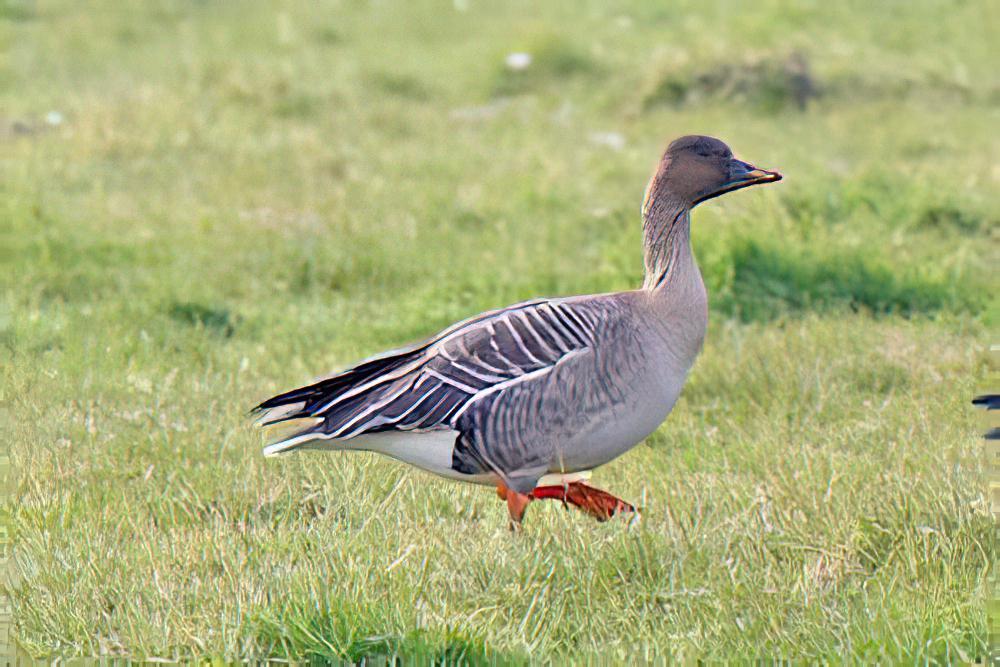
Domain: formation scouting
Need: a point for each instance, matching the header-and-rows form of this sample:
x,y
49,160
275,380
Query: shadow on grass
x,y
768,282
776,81
899,203
771,83
219,320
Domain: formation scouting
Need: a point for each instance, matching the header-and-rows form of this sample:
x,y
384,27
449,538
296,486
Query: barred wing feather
x,y
431,385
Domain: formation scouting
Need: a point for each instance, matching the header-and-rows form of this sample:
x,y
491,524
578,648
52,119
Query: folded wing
x,y
431,385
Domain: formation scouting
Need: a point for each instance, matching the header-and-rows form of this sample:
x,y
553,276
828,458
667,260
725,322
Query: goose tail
x,y
304,415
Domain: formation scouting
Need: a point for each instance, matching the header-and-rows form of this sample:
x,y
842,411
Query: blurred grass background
x,y
204,203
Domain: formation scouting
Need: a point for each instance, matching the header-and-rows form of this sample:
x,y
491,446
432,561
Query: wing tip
x,y
291,435
264,415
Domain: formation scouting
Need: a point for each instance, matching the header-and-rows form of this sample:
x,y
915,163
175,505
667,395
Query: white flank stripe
x,y
415,405
559,331
450,381
579,318
485,377
357,430
520,343
513,368
571,325
419,423
381,379
534,334
483,393
373,408
487,366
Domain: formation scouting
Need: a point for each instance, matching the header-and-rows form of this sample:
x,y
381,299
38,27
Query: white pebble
x,y
518,61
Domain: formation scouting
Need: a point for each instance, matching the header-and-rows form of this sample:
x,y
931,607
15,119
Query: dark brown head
x,y
696,168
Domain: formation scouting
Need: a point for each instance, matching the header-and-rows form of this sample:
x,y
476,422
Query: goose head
x,y
697,168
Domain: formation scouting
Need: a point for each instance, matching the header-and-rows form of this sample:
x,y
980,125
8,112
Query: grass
x,y
232,200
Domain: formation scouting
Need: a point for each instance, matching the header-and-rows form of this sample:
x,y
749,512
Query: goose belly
x,y
428,450
432,451
622,426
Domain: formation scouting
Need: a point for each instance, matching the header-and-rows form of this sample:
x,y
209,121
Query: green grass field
x,y
205,203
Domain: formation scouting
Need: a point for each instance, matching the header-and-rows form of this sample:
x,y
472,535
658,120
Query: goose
x,y
531,398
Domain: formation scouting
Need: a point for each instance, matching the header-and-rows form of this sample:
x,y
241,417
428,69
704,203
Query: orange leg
x,y
597,503
517,503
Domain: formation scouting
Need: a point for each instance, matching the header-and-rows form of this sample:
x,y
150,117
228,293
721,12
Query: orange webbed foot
x,y
597,503
593,501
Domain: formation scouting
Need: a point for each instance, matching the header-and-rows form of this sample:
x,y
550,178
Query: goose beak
x,y
741,175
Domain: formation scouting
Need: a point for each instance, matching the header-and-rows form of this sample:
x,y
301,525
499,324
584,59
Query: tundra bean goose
x,y
532,397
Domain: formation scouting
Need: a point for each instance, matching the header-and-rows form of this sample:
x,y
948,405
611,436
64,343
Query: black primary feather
x,y
988,401
319,393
